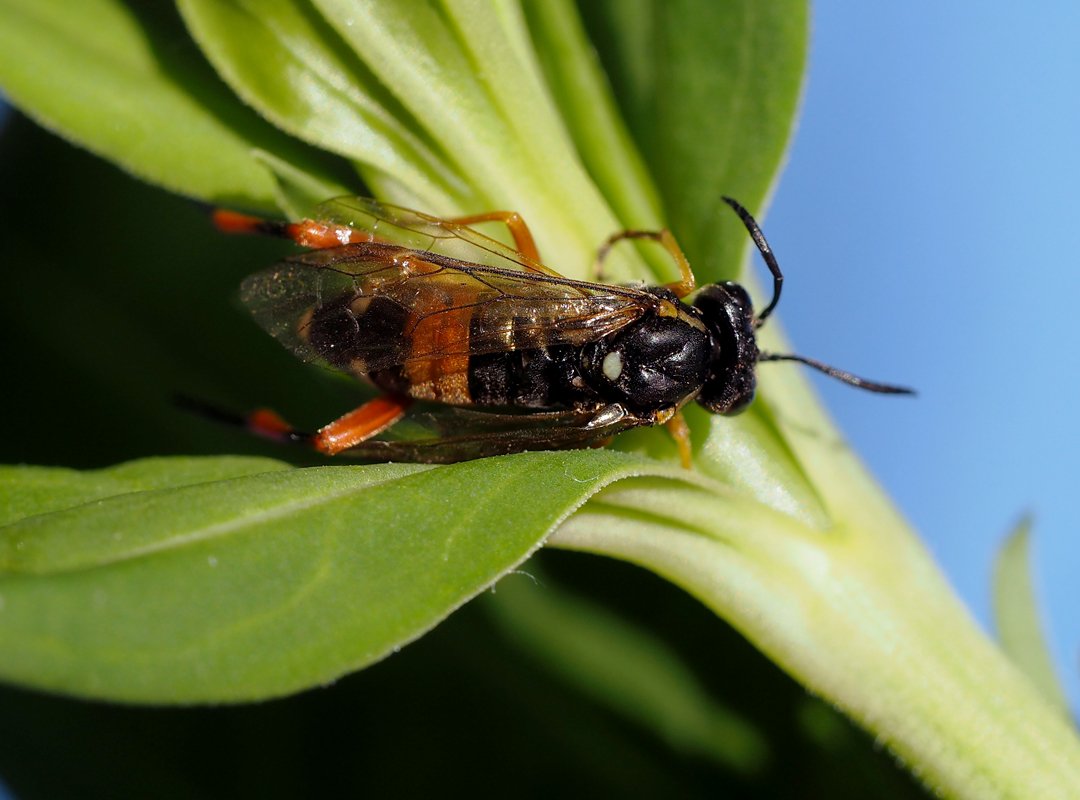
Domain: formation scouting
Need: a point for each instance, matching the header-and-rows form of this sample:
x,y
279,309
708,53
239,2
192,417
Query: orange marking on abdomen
x,y
443,373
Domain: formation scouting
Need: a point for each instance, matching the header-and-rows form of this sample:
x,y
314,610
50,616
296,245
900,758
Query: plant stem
x,y
863,618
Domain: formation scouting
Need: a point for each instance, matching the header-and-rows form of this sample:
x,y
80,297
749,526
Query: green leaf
x,y
286,61
32,491
709,91
1016,615
265,582
581,90
296,192
96,530
465,72
122,81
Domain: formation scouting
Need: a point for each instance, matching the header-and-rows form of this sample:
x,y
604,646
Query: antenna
x,y
778,282
839,374
766,253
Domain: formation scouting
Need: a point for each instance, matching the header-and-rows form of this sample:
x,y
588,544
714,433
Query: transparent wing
x,y
458,434
321,305
418,231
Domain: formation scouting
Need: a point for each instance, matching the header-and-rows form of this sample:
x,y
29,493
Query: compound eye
x,y
728,393
727,312
724,300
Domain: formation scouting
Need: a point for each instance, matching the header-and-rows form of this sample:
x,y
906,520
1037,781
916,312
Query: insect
x,y
510,355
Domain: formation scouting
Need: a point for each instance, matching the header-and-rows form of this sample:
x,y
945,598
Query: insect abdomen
x,y
545,377
432,359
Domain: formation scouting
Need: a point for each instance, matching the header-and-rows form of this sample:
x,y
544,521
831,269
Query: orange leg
x,y
268,423
523,238
358,425
320,235
307,233
682,287
680,432
373,417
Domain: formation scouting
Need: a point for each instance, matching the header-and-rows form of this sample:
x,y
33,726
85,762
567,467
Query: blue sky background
x,y
927,223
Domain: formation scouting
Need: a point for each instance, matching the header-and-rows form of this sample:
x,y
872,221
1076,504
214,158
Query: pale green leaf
x,y
1016,615
287,62
124,81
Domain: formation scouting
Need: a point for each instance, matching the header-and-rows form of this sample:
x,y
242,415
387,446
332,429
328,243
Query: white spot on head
x,y
612,365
